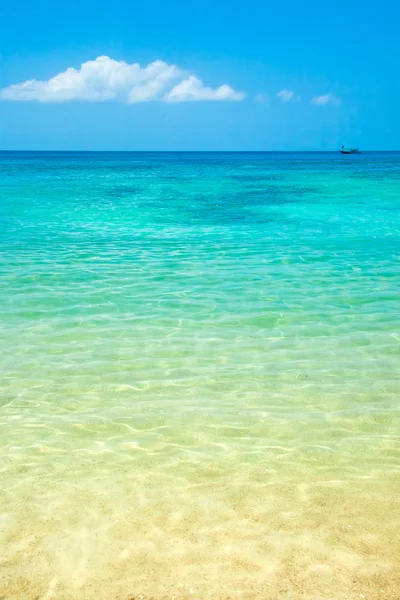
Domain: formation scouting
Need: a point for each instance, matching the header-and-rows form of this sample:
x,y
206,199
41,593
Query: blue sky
x,y
213,75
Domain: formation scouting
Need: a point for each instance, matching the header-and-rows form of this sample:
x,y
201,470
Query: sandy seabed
x,y
204,531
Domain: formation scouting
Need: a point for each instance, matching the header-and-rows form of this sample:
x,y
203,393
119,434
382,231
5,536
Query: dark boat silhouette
x,y
344,150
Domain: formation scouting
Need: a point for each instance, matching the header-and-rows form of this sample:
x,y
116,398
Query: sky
x,y
209,75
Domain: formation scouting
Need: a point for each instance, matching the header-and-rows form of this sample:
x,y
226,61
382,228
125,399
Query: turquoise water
x,y
199,363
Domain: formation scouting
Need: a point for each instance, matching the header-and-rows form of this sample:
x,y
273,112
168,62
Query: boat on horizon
x,y
344,150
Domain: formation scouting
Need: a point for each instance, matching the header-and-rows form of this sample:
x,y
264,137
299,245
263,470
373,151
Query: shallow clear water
x,y
199,363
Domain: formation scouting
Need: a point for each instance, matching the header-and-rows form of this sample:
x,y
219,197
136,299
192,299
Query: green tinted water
x,y
199,357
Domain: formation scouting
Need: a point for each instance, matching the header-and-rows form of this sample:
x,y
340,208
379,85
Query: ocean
x,y
200,376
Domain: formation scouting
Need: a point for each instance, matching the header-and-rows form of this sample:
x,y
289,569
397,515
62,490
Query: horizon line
x,y
196,151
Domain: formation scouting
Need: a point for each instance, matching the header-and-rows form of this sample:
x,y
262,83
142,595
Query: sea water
x,y
199,361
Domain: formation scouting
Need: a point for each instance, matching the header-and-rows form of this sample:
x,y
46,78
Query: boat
x,y
344,150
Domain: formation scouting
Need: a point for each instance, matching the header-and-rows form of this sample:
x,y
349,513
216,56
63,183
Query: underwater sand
x,y
199,359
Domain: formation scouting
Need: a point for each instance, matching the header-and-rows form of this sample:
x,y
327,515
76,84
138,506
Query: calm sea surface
x,y
200,376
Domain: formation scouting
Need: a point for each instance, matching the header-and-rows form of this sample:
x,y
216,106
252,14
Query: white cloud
x,y
193,89
285,95
326,99
105,79
160,78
